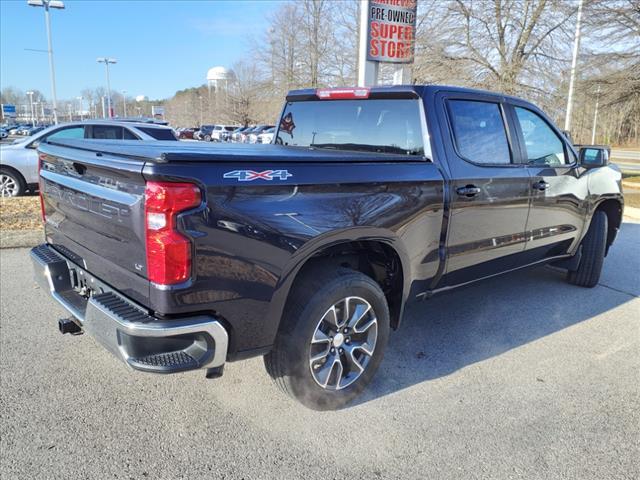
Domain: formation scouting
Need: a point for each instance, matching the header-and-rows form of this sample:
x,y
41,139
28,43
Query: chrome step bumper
x,y
126,329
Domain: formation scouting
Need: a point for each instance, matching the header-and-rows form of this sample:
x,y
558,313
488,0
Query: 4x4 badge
x,y
250,175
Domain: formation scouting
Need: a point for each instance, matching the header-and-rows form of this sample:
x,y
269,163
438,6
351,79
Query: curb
x,y
20,238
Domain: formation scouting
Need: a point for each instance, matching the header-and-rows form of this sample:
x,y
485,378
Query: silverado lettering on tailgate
x,y
87,203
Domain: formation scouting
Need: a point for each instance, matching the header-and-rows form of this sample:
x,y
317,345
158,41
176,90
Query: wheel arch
x,y
613,208
377,253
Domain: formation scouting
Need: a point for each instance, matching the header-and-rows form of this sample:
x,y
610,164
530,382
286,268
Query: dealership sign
x,y
8,111
391,30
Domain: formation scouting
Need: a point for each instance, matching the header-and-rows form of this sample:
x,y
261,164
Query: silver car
x,y
19,160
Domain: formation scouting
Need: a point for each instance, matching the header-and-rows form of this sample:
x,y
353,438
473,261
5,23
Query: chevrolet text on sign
x,y
392,26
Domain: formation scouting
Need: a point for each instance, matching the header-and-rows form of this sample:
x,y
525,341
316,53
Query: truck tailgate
x,y
94,212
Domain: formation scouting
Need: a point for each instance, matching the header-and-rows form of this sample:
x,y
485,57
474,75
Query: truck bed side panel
x,y
247,239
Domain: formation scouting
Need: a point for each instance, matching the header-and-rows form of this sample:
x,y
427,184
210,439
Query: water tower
x,y
219,79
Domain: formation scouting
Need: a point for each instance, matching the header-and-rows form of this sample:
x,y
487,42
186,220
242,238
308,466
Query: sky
x,y
160,46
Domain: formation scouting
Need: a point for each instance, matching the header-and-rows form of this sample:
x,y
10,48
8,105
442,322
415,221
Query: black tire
x,y
11,183
289,361
594,245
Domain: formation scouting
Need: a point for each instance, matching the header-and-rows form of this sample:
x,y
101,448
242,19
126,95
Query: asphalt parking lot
x,y
523,376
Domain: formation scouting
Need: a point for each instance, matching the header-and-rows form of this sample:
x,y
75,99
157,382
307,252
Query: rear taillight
x,y
41,158
168,251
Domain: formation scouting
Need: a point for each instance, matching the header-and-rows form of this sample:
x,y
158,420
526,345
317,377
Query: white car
x,y
19,160
266,136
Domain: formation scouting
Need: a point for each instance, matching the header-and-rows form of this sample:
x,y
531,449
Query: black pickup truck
x,y
180,256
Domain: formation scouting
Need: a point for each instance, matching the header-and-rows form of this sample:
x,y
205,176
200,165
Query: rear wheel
x,y
207,138
594,245
11,183
332,339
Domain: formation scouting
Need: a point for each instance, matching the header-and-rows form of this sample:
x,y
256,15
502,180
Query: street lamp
x,y
33,119
124,102
47,4
106,62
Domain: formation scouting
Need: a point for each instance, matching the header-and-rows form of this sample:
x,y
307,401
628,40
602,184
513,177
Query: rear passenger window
x,y
107,132
479,131
129,136
543,146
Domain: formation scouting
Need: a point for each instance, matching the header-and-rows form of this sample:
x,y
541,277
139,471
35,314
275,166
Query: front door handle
x,y
468,191
541,185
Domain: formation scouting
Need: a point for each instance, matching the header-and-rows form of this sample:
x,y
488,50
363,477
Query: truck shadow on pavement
x,y
457,329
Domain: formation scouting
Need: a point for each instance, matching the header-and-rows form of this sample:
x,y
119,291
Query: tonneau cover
x,y
170,151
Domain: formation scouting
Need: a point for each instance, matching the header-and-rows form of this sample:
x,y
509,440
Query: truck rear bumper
x,y
126,329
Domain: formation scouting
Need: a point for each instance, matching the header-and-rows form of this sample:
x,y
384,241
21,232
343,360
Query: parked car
x,y
307,250
17,127
236,135
32,131
252,137
244,136
266,136
23,130
187,132
218,132
19,160
225,135
205,133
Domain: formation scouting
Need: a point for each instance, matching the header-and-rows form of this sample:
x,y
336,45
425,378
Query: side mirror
x,y
594,156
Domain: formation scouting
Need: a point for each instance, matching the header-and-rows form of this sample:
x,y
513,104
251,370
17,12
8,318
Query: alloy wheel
x,y
8,186
343,343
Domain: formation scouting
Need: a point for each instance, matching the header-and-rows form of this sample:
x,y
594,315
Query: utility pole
x,y
107,61
574,61
33,117
595,118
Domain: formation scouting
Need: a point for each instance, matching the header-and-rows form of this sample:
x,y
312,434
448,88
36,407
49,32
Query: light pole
x,y
47,4
107,61
33,118
124,102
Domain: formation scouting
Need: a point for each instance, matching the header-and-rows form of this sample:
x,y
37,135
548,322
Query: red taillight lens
x,y
41,158
342,93
168,251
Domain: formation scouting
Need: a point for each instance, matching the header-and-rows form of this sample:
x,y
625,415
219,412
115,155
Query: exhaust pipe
x,y
67,325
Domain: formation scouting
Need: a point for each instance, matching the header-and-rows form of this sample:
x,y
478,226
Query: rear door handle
x,y
468,191
541,185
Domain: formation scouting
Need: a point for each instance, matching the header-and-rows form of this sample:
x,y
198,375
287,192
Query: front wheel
x,y
594,246
332,339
